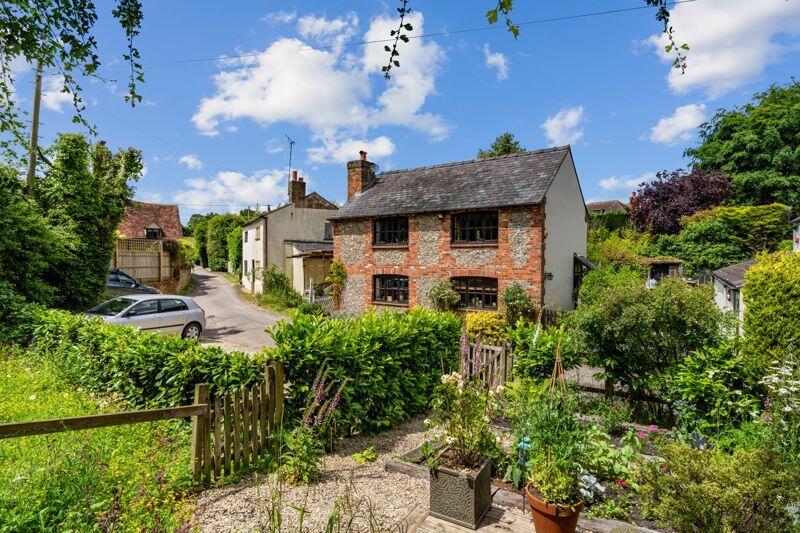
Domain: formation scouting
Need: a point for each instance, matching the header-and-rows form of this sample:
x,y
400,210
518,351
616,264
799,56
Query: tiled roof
x,y
517,179
140,215
733,275
608,206
312,246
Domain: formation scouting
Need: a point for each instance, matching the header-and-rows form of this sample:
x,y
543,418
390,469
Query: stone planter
x,y
461,497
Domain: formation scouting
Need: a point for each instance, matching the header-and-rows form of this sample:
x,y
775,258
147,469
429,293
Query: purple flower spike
x,y
477,356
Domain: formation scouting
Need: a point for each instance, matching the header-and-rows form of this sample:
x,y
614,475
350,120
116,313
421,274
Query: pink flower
x,y
623,484
641,434
652,427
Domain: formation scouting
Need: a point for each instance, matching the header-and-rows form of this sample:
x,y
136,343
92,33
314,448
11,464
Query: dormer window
x,y
153,232
392,231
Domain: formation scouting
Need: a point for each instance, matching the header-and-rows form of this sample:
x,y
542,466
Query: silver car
x,y
154,312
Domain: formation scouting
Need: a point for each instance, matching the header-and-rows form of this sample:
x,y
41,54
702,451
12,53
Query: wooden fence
x,y
228,432
496,364
236,430
146,260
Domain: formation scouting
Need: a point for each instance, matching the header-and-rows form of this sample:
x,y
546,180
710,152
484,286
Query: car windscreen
x,y
111,307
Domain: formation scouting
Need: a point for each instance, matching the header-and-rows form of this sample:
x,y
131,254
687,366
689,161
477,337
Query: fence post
x,y
278,392
199,430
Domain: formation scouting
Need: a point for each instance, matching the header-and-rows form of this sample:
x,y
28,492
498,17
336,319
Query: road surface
x,y
231,322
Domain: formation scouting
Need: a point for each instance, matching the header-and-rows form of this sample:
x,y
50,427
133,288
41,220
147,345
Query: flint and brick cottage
x,y
482,224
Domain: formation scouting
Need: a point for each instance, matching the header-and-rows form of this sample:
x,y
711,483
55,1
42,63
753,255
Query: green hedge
x,y
772,313
392,361
146,369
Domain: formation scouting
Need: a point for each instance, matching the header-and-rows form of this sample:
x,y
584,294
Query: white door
x,y
144,316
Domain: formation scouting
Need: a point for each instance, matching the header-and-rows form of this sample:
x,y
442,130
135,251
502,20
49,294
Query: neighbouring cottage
x,y
295,237
609,206
151,221
481,224
728,283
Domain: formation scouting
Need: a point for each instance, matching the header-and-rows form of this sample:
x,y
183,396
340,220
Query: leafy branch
x,y
504,7
398,35
662,15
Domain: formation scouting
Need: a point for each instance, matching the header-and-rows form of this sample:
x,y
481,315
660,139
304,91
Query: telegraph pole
x,y
34,144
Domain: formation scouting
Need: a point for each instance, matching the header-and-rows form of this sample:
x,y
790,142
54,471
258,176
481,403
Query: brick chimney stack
x,y
359,174
297,188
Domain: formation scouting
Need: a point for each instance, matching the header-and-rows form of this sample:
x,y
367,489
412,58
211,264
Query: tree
x,y
219,226
704,246
658,206
86,191
58,35
235,248
200,232
758,146
504,144
638,335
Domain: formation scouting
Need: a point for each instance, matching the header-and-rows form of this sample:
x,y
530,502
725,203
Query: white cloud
x,y
145,170
328,31
274,146
730,41
496,61
279,17
565,126
342,150
191,161
680,126
234,189
52,97
329,94
625,182
151,197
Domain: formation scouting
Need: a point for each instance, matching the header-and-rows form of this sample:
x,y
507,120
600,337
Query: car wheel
x,y
191,331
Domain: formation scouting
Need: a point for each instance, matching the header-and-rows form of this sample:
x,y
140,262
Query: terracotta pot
x,y
553,518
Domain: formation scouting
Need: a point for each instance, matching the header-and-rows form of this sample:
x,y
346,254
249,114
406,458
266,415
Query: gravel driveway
x,y
243,506
231,322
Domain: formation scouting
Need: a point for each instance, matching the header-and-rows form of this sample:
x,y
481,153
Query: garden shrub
x,y
442,296
278,290
772,314
146,369
710,490
392,361
612,221
713,389
235,248
756,228
518,304
638,335
187,252
490,326
534,349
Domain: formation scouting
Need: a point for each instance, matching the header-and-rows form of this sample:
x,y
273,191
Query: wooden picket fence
x,y
497,363
235,430
228,433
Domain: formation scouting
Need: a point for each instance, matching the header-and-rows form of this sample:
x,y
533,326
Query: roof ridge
x,y
479,160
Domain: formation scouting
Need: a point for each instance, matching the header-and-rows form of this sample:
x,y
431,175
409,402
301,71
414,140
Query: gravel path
x,y
245,505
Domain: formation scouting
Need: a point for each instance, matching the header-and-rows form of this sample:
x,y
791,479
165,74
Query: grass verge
x,y
126,478
276,301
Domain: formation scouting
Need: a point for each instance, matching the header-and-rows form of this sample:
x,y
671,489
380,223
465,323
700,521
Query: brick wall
x,y
429,256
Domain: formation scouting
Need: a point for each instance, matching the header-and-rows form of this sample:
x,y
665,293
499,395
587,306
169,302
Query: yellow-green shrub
x,y
488,325
772,312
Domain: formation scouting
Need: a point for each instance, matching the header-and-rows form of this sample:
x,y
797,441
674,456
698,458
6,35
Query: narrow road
x,y
231,322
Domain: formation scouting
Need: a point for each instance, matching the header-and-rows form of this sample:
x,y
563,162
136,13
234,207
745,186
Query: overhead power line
x,y
435,34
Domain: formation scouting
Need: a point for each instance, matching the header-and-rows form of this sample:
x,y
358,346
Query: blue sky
x,y
212,132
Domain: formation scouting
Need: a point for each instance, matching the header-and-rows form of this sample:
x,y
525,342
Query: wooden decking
x,y
497,520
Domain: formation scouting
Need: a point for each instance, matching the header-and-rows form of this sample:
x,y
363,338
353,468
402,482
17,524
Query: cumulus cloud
x,y
52,96
496,61
625,182
329,94
191,161
234,189
335,150
565,126
326,31
680,126
731,41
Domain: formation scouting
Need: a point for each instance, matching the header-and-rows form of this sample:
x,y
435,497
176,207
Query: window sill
x,y
390,304
390,246
494,309
473,244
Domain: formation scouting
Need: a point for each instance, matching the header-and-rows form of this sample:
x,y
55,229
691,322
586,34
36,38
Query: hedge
x,y
772,309
145,369
391,360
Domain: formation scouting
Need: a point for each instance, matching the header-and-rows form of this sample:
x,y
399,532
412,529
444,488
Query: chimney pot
x,y
359,175
294,175
363,155
301,179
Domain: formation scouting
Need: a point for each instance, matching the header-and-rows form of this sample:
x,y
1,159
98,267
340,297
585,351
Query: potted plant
x,y
552,444
458,452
